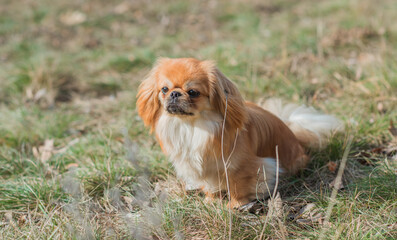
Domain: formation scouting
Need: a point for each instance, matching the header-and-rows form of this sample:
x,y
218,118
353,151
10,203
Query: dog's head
x,y
188,88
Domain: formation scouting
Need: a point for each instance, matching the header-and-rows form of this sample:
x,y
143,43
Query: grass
x,y
69,73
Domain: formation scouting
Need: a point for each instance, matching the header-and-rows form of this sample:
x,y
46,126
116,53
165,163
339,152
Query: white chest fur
x,y
185,143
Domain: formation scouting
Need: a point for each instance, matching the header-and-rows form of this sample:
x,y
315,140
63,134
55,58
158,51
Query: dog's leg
x,y
253,181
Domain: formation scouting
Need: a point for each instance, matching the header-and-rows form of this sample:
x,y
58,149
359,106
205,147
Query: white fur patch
x,y
267,179
185,142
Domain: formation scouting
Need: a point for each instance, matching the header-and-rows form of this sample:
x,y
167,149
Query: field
x,y
76,161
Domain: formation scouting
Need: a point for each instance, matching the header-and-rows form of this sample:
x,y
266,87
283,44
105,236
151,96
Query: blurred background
x,y
294,49
69,72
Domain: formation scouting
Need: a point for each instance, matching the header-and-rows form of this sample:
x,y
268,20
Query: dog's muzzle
x,y
174,108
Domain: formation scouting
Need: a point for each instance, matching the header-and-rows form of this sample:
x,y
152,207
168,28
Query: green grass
x,y
70,71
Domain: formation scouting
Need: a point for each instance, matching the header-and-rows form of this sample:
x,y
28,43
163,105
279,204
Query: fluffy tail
x,y
312,128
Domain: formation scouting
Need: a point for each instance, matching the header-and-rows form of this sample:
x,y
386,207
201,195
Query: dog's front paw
x,y
237,203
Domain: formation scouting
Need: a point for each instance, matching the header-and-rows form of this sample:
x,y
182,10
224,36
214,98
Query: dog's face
x,y
187,88
183,88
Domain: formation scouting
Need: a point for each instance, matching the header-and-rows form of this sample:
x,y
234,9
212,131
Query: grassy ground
x,y
77,163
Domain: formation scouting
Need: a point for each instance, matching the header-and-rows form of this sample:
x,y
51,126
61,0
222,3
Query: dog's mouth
x,y
176,110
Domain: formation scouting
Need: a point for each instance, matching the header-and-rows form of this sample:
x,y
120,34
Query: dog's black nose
x,y
175,94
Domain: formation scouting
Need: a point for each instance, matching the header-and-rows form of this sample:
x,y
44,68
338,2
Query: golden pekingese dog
x,y
219,142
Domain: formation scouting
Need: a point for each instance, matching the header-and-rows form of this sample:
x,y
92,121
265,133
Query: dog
x,y
218,142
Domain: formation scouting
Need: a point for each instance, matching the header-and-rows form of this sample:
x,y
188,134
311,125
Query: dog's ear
x,y
223,91
148,104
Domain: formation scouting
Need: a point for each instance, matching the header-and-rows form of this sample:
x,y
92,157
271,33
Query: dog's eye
x,y
193,93
164,90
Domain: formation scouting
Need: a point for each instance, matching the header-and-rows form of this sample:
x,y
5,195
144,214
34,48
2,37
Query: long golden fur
x,y
184,102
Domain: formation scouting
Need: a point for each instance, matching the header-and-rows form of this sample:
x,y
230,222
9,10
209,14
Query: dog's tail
x,y
312,128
